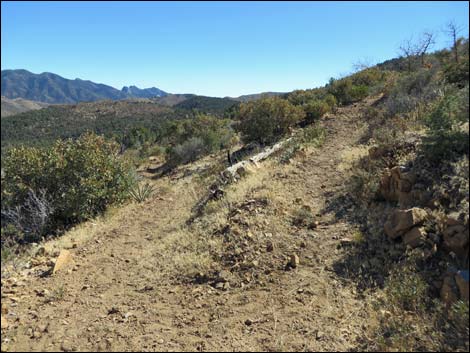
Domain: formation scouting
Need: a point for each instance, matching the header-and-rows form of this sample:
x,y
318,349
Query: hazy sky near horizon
x,y
213,48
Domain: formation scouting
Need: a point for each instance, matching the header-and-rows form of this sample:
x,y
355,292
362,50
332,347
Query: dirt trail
x,y
119,296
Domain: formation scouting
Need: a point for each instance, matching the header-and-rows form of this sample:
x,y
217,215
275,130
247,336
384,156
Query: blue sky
x,y
213,48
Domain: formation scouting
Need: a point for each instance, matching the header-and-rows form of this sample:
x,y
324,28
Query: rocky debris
x,y
414,237
64,259
401,221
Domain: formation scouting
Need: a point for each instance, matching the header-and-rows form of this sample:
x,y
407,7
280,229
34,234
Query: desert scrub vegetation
x,y
195,138
45,190
141,192
266,120
448,127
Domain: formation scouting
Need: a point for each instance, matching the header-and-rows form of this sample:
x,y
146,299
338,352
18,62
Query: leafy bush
x,y
267,119
346,92
186,152
79,178
314,110
457,73
448,136
368,77
191,139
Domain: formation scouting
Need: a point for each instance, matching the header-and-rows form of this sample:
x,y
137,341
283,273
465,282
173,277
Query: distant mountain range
x,y
54,89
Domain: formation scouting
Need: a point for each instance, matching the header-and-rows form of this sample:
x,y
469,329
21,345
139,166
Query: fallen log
x,y
230,175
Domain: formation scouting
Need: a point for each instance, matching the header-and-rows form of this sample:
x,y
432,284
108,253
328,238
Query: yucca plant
x,y
142,192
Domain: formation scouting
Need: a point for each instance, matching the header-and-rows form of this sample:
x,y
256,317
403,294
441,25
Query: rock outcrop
x,y
400,222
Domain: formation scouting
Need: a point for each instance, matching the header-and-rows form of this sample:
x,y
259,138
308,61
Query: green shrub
x,y
406,289
330,100
314,110
457,73
346,92
448,136
79,178
267,119
187,152
358,92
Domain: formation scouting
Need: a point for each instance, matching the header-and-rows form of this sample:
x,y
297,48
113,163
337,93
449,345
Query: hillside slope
x,y
144,280
19,105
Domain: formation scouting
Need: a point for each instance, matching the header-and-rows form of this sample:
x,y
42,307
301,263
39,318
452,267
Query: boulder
x,y
414,237
396,185
401,221
456,239
449,293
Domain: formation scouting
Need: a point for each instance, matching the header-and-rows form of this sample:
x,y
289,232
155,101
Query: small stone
x,y
4,322
43,328
269,246
64,259
294,261
160,341
113,310
66,347
41,251
248,322
319,335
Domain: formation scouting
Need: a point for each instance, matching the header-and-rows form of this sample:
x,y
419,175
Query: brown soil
x,y
130,286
